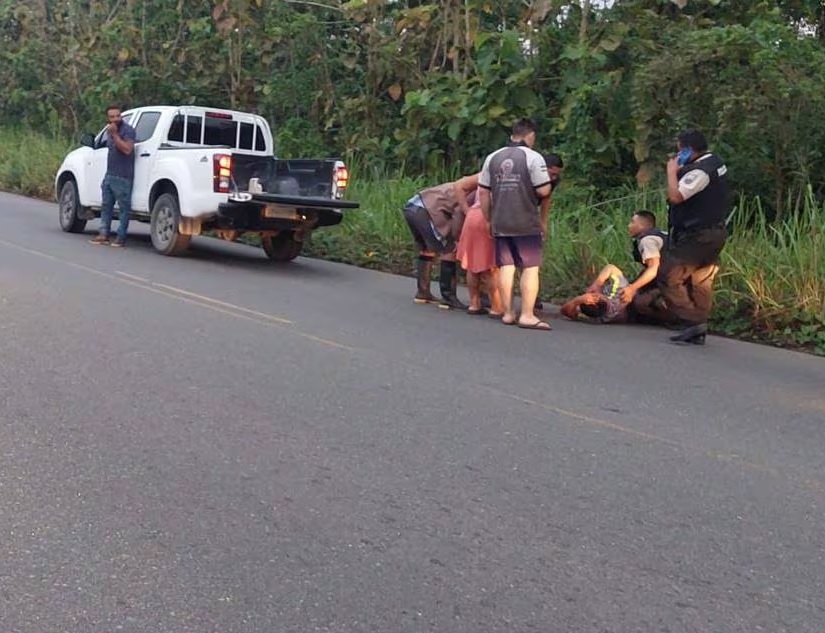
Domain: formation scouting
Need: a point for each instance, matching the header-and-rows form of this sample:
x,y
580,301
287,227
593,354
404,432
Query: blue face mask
x,y
684,156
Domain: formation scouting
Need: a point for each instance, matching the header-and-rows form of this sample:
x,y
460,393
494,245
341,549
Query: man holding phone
x,y
697,190
120,174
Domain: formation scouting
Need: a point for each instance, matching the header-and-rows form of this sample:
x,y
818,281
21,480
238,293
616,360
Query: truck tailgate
x,y
302,202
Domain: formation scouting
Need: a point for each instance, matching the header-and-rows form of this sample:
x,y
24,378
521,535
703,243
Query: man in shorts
x,y
512,185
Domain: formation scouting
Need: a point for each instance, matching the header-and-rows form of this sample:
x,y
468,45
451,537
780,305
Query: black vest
x,y
637,254
709,207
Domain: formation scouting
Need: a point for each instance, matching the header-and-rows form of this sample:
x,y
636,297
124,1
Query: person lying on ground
x,y
611,298
600,302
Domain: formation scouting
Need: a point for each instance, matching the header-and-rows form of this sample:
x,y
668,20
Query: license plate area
x,y
280,213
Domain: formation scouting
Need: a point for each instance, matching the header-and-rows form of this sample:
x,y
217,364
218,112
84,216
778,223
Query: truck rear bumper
x,y
272,212
254,216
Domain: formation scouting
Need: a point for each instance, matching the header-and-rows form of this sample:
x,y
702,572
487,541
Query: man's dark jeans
x,y
115,189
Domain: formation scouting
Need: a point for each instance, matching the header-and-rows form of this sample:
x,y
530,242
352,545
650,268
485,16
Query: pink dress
x,y
476,250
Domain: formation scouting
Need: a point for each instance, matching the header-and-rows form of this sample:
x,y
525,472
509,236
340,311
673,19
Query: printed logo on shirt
x,y
505,172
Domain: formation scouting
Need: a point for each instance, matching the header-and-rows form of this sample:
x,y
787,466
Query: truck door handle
x,y
144,154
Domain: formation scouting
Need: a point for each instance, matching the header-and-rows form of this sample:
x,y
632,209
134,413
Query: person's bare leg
x,y
529,292
496,305
505,284
474,288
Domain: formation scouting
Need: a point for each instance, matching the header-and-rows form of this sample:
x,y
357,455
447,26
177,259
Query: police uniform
x,y
697,236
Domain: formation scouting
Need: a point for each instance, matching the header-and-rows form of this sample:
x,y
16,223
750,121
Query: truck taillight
x,y
221,172
341,178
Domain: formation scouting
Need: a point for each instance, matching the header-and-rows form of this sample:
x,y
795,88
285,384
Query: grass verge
x,y
771,289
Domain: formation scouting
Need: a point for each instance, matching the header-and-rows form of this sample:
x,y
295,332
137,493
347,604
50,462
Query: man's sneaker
x,y
99,240
119,243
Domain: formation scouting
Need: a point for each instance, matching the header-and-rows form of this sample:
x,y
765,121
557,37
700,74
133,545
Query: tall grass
x,y
772,284
29,161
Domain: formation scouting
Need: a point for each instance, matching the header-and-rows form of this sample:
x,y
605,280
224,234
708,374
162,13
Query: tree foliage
x,y
434,85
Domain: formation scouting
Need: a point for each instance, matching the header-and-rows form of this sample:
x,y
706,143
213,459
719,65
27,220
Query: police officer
x,y
697,190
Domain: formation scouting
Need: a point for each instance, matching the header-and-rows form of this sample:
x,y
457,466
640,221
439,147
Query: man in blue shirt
x,y
120,174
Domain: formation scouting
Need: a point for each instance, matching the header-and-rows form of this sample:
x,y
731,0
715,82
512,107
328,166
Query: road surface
x,y
213,444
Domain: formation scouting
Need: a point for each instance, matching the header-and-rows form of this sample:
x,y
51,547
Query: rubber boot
x,y
448,284
423,272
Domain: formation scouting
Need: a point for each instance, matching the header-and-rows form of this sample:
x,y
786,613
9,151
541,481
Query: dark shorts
x,y
426,236
522,251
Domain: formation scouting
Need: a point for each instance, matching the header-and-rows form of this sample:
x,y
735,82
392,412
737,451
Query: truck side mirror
x,y
87,140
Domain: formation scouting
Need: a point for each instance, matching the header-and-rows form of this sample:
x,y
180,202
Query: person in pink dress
x,y
476,254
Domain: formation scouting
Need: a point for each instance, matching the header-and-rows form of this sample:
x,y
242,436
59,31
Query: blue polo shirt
x,y
117,163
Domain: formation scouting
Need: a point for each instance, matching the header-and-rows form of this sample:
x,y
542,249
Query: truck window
x,y
146,125
220,132
247,132
260,144
194,126
176,129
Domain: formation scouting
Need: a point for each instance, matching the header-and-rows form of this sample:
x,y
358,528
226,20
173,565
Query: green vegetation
x,y
771,289
421,90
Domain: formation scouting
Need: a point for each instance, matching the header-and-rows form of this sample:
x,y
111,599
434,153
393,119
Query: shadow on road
x,y
233,255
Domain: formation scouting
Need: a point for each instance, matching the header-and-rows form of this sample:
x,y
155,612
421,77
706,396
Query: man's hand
x,y
112,129
626,294
673,166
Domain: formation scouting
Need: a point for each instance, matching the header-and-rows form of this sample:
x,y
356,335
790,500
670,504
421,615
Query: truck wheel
x,y
164,226
282,247
69,206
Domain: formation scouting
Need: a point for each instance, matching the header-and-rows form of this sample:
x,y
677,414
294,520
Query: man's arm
x,y
545,213
691,183
673,195
464,187
485,200
649,274
125,144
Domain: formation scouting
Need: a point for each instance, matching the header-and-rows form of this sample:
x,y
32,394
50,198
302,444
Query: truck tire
x,y
69,208
282,247
166,238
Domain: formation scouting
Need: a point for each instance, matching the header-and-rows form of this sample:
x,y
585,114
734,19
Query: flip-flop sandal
x,y
479,312
538,325
495,315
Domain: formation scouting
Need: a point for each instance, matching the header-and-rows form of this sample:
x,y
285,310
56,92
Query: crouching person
x,y
435,216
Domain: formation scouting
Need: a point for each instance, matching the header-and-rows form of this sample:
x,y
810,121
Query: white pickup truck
x,y
206,169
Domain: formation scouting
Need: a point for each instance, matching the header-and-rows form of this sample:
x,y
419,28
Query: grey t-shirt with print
x,y
512,174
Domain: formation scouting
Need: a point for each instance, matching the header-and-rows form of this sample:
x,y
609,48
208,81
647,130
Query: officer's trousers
x,y
688,269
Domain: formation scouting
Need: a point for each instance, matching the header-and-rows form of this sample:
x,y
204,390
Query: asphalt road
x,y
216,444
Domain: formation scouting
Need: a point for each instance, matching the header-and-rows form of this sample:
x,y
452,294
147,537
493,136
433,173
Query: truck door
x,y
146,146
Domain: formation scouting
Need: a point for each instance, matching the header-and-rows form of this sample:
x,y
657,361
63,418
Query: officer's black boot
x,y
448,283
423,271
691,333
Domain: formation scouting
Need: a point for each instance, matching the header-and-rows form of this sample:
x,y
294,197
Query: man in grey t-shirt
x,y
512,184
